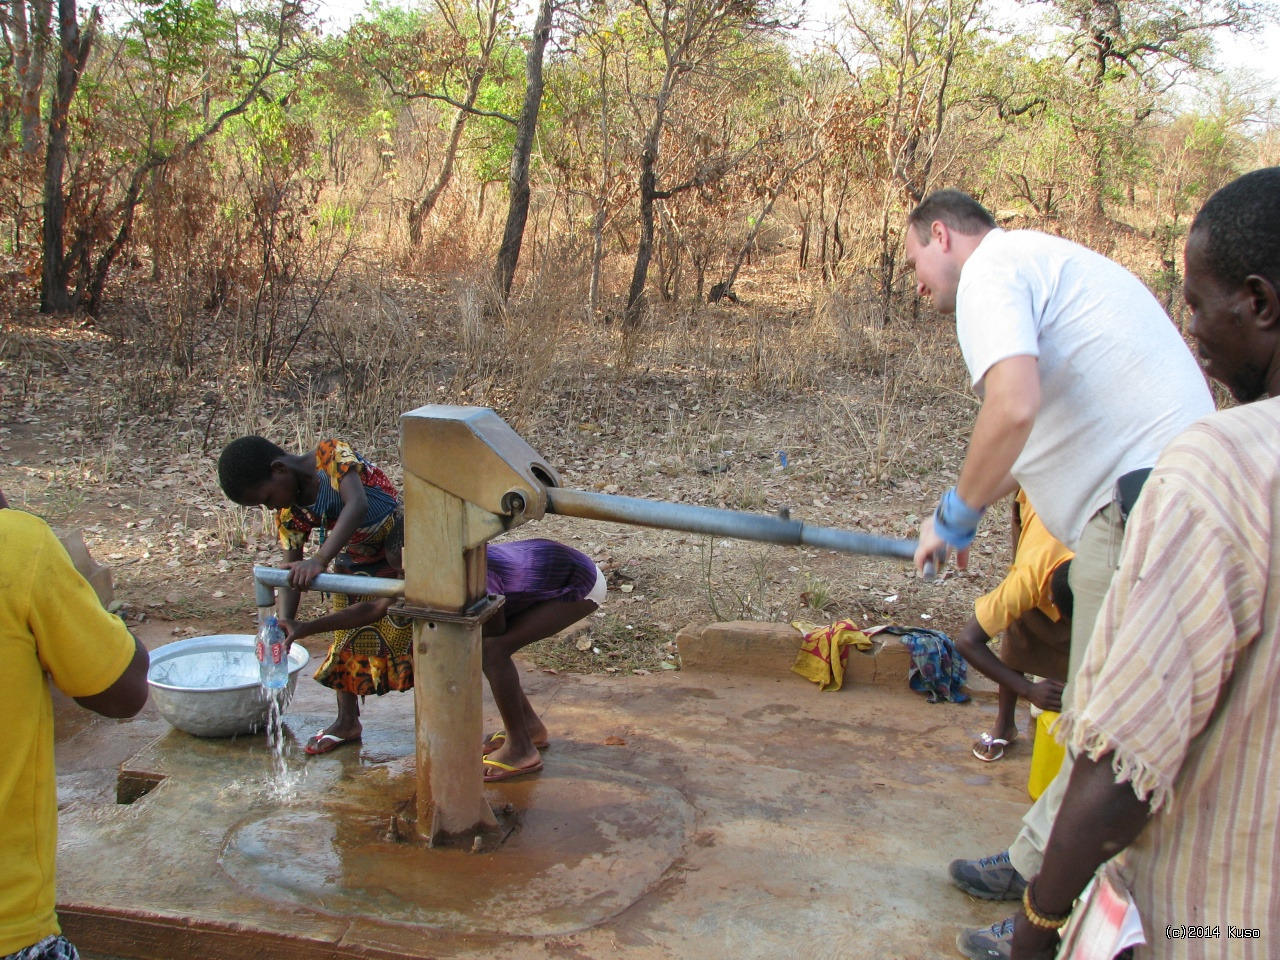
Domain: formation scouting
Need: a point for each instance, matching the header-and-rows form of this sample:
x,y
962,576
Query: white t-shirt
x,y
1117,382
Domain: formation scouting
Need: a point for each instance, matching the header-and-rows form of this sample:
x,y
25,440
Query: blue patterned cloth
x,y
50,948
937,668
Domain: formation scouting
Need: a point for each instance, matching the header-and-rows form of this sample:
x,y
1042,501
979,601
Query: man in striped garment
x,y
1175,715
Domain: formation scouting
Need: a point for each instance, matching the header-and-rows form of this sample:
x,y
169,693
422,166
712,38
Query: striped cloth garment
x,y
1180,681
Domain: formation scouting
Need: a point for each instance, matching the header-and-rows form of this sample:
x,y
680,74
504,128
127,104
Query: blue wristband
x,y
955,521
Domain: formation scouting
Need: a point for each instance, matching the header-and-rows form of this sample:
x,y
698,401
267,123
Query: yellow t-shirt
x,y
50,621
1026,585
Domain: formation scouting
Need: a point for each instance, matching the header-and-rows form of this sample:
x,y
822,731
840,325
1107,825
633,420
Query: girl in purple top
x,y
547,587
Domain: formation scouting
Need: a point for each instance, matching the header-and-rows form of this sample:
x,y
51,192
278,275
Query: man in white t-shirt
x,y
1083,380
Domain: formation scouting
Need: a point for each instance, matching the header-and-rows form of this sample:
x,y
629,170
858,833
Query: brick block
x,y
769,649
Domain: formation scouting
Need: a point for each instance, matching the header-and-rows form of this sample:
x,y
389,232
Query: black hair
x,y
245,464
1241,229
959,211
1060,590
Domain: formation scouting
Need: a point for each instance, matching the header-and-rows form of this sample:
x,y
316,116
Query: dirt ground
x,y
99,436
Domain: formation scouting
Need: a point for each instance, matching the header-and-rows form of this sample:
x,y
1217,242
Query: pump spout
x,y
263,594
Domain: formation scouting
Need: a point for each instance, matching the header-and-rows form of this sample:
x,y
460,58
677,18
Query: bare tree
x,y
692,40
916,48
446,60
27,37
75,277
518,177
74,46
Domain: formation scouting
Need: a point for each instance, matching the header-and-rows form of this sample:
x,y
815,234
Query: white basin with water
x,y
209,686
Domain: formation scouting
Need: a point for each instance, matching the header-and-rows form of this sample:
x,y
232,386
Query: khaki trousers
x,y
1097,557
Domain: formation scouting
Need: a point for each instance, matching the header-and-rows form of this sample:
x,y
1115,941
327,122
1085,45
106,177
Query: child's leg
x,y
1006,725
522,724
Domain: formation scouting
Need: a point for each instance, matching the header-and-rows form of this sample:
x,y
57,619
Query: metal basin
x,y
209,686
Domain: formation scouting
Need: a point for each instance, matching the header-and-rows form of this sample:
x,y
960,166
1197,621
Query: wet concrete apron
x,y
695,814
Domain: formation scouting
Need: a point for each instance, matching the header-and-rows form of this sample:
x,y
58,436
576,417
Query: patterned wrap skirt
x,y
372,660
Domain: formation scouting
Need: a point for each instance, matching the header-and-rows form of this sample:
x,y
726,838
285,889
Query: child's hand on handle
x,y
302,572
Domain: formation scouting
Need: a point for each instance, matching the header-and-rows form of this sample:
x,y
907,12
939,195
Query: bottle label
x,y
260,651
277,653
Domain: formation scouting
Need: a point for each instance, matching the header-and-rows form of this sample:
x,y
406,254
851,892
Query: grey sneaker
x,y
987,943
991,878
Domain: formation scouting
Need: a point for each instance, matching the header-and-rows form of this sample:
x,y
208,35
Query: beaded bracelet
x,y
1045,921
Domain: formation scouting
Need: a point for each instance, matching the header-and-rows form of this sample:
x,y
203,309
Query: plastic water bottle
x,y
273,658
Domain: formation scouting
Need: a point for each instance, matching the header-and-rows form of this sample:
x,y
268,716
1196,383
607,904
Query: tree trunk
x,y
602,199
419,212
29,46
597,254
648,194
1095,182
74,45
518,182
888,254
96,279
644,249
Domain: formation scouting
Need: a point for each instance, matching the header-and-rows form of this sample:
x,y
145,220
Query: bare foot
x,y
541,740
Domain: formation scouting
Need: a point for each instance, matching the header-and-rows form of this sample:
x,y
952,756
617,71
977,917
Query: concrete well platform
x,y
728,810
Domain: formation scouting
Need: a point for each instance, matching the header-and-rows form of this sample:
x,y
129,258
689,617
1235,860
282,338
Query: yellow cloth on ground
x,y
825,650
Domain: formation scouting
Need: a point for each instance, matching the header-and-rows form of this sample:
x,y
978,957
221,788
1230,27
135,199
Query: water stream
x,y
283,785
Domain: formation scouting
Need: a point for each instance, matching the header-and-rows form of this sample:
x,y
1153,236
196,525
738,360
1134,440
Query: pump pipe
x,y
637,512
266,579
727,523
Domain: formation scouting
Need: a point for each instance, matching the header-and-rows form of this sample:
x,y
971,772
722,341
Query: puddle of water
x,y
591,841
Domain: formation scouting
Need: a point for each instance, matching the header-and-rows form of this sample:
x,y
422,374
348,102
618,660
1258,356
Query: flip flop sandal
x,y
497,770
327,742
985,745
494,740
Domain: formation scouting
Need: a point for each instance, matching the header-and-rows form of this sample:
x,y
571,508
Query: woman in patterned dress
x,y
353,507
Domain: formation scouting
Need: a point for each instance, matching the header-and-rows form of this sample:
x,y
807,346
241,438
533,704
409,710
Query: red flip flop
x,y
326,742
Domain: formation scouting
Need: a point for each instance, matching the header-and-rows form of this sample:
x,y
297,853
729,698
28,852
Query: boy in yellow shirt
x,y
1037,639
52,627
